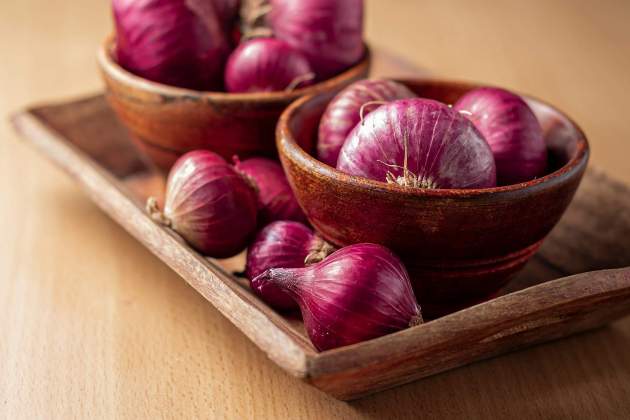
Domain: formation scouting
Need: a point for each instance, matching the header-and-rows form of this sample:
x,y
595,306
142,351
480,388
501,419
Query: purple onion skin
x,y
343,113
276,199
512,131
167,42
266,65
357,293
328,32
210,204
284,244
444,149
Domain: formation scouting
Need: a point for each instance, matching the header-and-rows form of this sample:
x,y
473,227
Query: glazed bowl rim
x,y
109,65
287,146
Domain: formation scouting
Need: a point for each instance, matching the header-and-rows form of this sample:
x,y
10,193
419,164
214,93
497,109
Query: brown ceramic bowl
x,y
167,121
460,246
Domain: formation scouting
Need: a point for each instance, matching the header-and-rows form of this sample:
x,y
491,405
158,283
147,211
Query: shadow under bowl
x,y
459,246
167,121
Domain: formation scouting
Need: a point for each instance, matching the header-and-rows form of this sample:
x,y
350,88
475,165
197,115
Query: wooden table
x,y
94,326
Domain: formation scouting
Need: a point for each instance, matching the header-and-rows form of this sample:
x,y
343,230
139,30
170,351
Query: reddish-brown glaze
x,y
179,120
460,246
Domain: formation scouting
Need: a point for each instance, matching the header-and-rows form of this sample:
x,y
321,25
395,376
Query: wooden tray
x,y
84,138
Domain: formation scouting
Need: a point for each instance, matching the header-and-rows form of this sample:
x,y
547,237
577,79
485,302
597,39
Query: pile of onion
x,y
187,43
378,129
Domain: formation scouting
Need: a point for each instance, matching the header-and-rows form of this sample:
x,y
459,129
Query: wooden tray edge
x,y
258,324
537,314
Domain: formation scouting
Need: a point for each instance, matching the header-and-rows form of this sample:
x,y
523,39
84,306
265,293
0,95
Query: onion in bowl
x,y
419,143
512,131
266,65
175,42
328,32
346,109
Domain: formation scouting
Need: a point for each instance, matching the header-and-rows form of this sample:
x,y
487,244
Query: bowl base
x,y
442,288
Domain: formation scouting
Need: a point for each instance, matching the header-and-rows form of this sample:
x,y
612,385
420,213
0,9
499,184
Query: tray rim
x,y
284,346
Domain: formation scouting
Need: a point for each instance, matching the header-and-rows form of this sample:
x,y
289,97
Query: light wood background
x,y
93,326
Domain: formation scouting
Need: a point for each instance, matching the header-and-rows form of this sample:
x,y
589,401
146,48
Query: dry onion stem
x,y
299,80
362,109
156,214
408,179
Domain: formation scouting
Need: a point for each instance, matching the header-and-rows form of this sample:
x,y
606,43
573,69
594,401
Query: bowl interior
x,y
565,141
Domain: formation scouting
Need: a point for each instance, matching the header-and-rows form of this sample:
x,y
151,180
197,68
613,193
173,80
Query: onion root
x,y
153,209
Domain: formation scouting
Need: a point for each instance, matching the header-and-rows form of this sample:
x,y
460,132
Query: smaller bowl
x,y
459,246
167,121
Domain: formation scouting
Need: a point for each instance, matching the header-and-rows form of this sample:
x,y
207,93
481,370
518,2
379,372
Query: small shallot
x,y
283,244
357,293
210,204
275,197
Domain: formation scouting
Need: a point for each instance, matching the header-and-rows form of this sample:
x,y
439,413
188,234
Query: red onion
x,y
283,244
358,293
344,112
176,42
512,131
419,143
266,65
328,32
209,204
275,197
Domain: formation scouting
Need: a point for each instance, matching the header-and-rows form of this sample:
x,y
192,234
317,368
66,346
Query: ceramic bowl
x,y
460,246
167,121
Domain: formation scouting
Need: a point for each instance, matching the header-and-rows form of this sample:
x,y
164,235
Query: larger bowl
x,y
460,246
167,121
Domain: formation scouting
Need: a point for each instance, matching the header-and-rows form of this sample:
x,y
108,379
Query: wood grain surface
x,y
94,326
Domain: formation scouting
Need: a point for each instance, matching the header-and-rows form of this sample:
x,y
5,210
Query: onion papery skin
x,y
266,65
275,197
357,293
282,244
166,41
439,147
343,113
512,131
328,32
210,204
